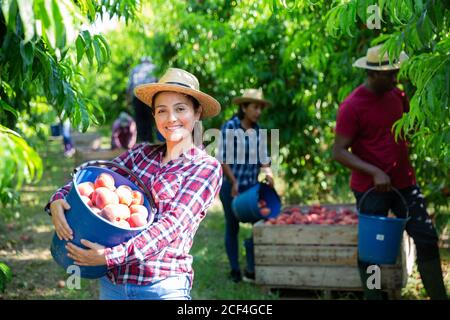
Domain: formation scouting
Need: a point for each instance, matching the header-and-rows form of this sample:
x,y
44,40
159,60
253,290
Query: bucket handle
x,y
118,166
393,189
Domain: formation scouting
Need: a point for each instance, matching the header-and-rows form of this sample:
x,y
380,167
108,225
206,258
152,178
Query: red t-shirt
x,y
367,119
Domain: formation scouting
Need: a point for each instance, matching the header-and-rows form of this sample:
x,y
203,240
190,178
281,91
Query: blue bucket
x,y
245,205
85,224
55,130
379,238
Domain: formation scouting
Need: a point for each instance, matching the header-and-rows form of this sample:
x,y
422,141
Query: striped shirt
x,y
240,149
182,189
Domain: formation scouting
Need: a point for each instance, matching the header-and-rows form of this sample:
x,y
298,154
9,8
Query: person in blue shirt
x,y
241,164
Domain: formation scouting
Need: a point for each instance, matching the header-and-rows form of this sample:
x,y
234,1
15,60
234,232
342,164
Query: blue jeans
x,y
232,231
171,288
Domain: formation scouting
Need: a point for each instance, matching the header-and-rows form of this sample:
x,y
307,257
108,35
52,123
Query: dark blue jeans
x,y
232,231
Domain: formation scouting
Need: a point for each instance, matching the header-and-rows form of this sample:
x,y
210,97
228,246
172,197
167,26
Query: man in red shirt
x,y
380,163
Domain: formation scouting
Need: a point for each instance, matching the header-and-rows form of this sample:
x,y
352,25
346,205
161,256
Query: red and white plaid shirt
x,y
183,189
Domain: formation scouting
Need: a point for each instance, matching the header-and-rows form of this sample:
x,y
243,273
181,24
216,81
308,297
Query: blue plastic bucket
x,y
245,205
55,130
85,224
379,238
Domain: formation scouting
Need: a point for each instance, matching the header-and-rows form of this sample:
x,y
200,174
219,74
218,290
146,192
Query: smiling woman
x,y
183,180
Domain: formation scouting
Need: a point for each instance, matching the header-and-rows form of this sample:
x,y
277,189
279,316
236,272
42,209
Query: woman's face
x,y
253,111
175,115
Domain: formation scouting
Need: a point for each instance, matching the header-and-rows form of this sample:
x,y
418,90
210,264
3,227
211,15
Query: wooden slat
x,y
305,234
282,255
322,277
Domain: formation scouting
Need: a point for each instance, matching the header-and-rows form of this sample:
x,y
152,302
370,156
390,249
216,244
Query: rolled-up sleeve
x,y
183,214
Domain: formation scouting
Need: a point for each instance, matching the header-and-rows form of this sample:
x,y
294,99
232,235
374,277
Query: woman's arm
x,y
234,183
182,214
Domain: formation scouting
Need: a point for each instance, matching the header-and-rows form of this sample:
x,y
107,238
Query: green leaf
x,y
27,53
7,107
80,45
59,28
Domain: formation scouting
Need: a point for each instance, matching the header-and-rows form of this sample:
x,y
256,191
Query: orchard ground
x,y
26,232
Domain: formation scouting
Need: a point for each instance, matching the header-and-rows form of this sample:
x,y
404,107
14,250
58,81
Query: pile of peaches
x,y
120,205
316,214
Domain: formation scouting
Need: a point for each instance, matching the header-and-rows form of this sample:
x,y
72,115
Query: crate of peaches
x,y
119,205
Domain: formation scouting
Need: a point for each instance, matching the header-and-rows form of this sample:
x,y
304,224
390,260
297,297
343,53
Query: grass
x,y
26,232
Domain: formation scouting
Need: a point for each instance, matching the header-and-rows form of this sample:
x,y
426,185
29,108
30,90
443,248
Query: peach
x,y
137,220
264,211
261,203
136,208
105,180
104,196
122,224
86,200
125,194
121,211
86,188
138,197
108,213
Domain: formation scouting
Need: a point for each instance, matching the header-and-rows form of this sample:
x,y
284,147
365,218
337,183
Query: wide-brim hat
x,y
252,95
179,80
374,61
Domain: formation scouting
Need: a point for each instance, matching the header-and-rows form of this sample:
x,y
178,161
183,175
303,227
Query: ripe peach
x,y
124,193
86,200
122,224
138,197
121,211
108,213
105,180
86,188
261,203
136,208
137,220
104,196
264,211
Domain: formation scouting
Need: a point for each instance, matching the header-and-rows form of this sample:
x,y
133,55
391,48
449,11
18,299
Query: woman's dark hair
x,y
240,112
193,100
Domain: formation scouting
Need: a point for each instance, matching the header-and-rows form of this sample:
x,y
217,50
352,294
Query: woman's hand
x,y
270,181
234,189
94,256
62,228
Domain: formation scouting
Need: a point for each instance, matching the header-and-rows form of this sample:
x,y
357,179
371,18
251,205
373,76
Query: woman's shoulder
x,y
202,158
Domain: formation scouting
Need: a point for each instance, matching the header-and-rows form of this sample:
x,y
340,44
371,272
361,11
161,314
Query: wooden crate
x,y
322,257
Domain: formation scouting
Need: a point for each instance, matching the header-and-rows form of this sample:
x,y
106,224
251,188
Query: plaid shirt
x,y
183,189
246,160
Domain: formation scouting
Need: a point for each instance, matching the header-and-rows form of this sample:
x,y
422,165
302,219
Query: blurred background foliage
x,y
299,52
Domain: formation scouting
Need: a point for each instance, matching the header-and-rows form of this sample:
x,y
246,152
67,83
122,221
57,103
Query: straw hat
x,y
374,61
252,95
178,80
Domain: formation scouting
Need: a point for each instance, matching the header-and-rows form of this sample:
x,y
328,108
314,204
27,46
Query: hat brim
x,y
240,100
210,106
362,63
